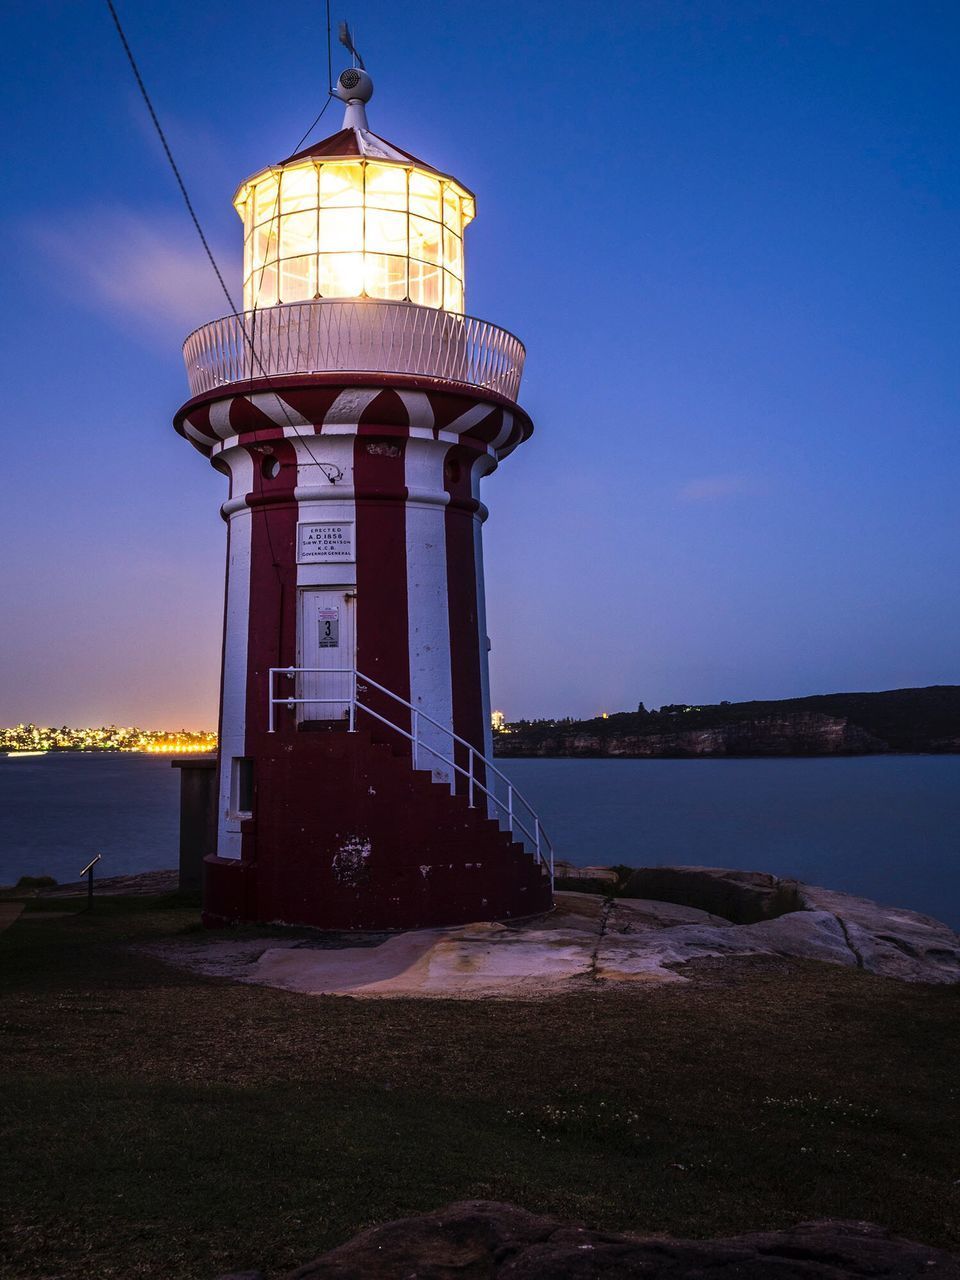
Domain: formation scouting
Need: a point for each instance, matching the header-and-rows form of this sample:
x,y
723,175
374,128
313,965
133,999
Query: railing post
x,y
353,701
471,777
415,727
510,806
270,713
536,834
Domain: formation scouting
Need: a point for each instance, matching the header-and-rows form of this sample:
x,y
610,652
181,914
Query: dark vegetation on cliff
x,y
905,720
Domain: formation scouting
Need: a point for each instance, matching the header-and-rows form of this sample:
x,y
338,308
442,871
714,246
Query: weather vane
x,y
346,39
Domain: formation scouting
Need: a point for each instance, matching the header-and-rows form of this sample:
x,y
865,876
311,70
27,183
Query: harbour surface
x,y
885,827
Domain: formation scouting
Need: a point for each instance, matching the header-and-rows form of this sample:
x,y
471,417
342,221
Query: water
x,y
884,827
58,810
887,827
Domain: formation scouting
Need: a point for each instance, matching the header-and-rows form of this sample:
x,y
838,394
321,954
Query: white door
x,y
326,643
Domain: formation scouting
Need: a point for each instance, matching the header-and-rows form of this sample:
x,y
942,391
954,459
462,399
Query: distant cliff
x,y
833,724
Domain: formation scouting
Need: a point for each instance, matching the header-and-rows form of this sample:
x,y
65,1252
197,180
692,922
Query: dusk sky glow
x,y
727,232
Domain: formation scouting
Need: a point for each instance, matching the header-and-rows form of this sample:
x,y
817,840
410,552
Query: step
x,y
441,806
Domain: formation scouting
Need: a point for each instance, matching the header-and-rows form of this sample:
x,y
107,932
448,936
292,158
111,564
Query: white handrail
x,y
353,336
541,845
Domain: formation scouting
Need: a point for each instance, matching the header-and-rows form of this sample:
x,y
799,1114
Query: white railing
x,y
514,812
363,336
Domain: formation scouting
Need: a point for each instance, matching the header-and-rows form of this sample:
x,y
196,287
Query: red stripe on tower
x,y
382,645
465,653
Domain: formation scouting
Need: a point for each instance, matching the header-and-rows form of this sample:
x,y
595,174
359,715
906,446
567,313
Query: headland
x,y
833,724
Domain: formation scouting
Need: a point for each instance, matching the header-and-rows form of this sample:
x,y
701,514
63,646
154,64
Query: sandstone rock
x,y
890,940
483,1240
743,897
590,941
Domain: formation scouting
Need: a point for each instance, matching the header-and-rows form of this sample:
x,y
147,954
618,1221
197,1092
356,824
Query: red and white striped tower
x,y
354,408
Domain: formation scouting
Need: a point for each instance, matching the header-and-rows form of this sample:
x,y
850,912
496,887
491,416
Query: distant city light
x,y
32,737
498,720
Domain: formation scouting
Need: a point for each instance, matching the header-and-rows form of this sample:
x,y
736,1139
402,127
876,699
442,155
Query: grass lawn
x,y
160,1124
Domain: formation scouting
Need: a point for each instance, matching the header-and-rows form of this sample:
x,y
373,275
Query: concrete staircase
x,y
373,843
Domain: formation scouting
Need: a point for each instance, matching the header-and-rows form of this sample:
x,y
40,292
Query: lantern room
x,y
353,217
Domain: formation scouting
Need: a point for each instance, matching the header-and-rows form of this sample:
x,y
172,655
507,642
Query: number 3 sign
x,y
329,621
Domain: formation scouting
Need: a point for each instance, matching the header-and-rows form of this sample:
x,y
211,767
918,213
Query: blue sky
x,y
726,231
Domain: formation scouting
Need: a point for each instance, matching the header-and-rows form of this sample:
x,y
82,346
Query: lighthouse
x,y
354,407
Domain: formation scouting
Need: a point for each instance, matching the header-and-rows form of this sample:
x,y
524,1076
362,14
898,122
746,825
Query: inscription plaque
x,y
324,542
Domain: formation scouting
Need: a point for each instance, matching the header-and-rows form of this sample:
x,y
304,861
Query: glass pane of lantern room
x,y
264,288
265,199
453,253
424,239
452,293
384,276
298,279
340,275
425,284
341,186
386,187
264,244
298,189
341,230
451,209
386,232
298,234
424,195
246,209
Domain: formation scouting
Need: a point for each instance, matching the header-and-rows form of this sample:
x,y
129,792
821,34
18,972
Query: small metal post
x,y
353,701
471,776
536,831
510,805
416,737
270,712
88,872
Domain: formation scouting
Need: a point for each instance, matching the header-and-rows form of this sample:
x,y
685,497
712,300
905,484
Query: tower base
x,y
369,844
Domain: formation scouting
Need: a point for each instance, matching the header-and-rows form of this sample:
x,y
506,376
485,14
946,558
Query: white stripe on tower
x,y
233,727
325,493
278,411
197,436
419,410
504,433
428,624
483,466
347,410
220,418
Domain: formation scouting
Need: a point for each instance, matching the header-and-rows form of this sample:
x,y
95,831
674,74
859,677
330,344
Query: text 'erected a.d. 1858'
x,y
324,542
